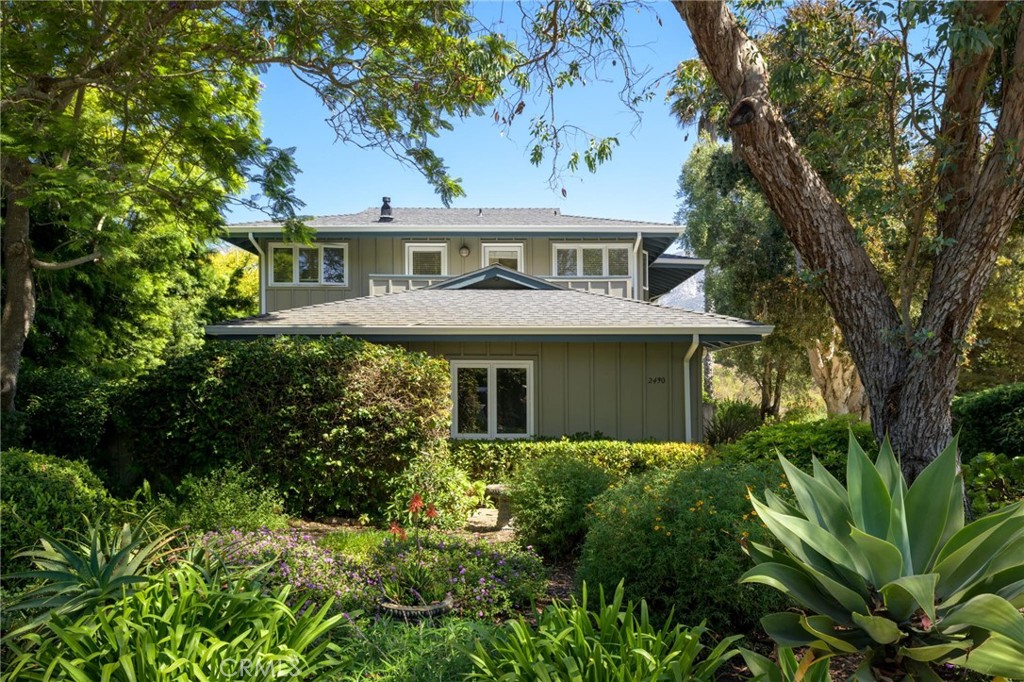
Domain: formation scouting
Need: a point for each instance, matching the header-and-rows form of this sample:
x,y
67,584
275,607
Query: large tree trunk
x,y
20,297
836,376
909,374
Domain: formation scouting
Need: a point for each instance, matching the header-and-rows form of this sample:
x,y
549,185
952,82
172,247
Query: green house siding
x,y
632,391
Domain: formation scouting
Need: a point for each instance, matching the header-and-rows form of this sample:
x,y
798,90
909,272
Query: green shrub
x,y
993,481
45,495
182,626
440,483
827,439
497,460
675,538
732,419
612,644
990,421
224,498
328,422
356,544
549,502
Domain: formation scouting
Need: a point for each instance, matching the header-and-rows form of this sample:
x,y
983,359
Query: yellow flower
x,y
668,533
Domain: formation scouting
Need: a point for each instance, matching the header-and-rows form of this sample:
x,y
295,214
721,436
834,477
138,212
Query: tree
x,y
119,117
957,209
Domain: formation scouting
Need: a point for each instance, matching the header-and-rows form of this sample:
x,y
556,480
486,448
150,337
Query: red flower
x,y
431,512
415,504
397,530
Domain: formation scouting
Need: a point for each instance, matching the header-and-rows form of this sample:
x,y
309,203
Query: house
x,y
549,321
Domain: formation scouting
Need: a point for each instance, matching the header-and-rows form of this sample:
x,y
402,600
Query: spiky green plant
x,y
811,667
893,571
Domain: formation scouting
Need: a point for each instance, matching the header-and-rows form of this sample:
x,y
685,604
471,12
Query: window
x,y
492,399
426,259
591,260
309,265
509,255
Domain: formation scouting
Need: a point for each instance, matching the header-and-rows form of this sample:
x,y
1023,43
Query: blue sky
x,y
639,183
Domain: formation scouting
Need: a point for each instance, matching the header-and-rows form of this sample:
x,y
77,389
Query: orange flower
x,y
397,530
431,512
415,504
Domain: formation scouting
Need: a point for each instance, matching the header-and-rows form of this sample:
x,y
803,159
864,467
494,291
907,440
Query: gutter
x,y
262,265
637,291
688,433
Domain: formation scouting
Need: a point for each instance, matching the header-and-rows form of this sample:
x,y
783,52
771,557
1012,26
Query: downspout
x,y
262,264
694,343
636,265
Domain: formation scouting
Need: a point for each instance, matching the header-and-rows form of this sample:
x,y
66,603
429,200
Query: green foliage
x,y
74,576
825,439
991,421
182,626
993,481
550,500
614,643
732,419
497,460
45,496
224,498
675,538
354,544
893,571
235,284
329,422
810,667
440,483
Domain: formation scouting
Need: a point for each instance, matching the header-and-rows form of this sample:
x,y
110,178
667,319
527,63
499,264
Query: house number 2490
x,y
655,380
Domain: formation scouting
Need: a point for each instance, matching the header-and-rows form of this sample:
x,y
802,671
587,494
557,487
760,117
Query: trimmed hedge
x,y
329,423
990,421
827,439
497,460
45,494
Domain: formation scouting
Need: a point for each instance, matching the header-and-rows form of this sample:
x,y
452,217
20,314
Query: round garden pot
x,y
419,612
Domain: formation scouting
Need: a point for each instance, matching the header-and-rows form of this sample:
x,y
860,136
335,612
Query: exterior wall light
x,y
464,251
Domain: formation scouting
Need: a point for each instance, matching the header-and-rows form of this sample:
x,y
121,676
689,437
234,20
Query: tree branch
x,y
74,262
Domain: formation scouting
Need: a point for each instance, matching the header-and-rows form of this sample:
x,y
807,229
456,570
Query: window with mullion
x,y
591,260
297,264
491,399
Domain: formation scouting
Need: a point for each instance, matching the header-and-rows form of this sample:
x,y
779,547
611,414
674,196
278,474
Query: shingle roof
x,y
495,313
461,217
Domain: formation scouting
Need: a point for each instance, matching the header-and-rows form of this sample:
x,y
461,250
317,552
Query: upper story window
x,y
509,255
426,259
323,264
591,260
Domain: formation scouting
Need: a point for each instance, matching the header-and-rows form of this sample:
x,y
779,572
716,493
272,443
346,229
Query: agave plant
x,y
893,571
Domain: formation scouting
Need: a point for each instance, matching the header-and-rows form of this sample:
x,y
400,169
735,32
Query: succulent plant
x,y
893,571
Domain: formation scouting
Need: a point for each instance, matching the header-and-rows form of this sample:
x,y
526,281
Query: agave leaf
x,y
762,668
1007,583
863,672
883,559
880,629
989,612
898,533
824,628
826,478
869,498
786,629
920,589
971,563
889,469
933,652
927,506
996,656
794,532
971,532
817,501
799,586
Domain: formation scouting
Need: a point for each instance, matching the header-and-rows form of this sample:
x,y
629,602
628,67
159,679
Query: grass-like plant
x,y
615,643
893,571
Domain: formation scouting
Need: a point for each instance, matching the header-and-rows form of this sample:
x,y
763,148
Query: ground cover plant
x,y
993,481
226,498
893,571
675,538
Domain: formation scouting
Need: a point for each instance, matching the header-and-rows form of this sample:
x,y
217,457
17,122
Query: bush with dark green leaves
x,y
225,498
550,497
497,460
732,419
328,422
827,439
993,481
990,421
43,494
675,538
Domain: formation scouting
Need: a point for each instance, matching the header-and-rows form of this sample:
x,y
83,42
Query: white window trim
x,y
646,259
512,246
413,247
492,404
295,264
579,246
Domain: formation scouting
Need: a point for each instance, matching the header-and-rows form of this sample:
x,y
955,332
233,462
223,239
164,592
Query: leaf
x,y
920,589
798,586
997,655
885,563
933,652
882,630
785,628
989,612
869,500
927,506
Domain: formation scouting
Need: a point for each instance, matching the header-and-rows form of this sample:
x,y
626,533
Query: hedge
x,y
496,460
990,421
330,422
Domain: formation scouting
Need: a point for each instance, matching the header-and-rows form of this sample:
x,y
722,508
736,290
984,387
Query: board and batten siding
x,y
629,391
386,256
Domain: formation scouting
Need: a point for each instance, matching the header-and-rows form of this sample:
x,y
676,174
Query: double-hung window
x,y
492,399
591,260
426,259
509,255
323,264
